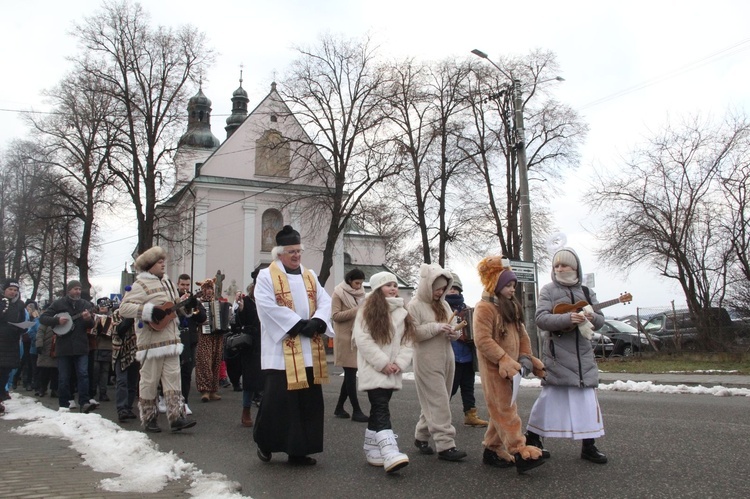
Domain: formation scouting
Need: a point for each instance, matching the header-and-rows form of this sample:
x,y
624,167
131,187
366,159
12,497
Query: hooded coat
x,y
567,355
434,361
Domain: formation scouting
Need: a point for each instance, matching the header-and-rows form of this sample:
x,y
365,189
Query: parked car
x,y
627,340
602,344
673,327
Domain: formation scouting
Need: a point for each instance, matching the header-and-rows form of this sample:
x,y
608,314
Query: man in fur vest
x,y
504,351
158,339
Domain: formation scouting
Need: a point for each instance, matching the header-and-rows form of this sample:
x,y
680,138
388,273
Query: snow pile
x,y
650,387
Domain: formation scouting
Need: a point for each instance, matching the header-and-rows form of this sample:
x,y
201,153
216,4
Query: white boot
x,y
372,449
392,459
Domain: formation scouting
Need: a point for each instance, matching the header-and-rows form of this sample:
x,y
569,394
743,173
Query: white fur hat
x,y
381,279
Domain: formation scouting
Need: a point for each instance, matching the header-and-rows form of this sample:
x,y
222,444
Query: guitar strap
x,y
587,294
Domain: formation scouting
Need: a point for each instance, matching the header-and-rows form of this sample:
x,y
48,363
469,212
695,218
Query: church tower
x,y
198,142
239,109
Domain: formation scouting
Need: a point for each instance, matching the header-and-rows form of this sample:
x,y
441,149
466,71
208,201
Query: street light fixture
x,y
527,247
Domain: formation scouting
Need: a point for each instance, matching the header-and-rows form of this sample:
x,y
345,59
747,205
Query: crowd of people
x,y
270,343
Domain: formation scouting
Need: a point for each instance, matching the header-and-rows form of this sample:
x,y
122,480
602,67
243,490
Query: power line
x,y
725,52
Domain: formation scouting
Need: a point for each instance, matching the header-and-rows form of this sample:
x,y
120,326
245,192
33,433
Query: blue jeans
x,y
126,386
65,366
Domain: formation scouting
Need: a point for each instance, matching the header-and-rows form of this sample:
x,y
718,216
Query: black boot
x,y
589,452
490,458
536,441
152,426
523,465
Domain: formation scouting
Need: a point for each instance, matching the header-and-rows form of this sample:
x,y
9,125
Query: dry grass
x,y
685,362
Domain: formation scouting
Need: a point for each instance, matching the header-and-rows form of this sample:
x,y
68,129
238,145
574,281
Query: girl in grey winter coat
x,y
568,406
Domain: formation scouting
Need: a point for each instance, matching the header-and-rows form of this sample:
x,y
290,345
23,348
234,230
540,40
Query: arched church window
x,y
272,155
271,222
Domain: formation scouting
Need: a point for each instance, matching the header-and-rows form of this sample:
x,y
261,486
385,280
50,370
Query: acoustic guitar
x,y
171,309
564,308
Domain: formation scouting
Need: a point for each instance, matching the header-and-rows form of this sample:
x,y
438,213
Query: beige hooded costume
x,y
434,363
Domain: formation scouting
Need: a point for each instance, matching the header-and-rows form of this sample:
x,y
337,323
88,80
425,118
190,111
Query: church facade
x,y
232,197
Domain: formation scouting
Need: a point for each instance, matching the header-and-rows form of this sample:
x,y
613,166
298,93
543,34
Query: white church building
x,y
232,197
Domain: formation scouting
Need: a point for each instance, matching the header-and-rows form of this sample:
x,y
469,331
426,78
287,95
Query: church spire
x,y
239,109
199,122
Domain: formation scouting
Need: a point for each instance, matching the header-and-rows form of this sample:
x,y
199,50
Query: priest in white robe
x,y
294,311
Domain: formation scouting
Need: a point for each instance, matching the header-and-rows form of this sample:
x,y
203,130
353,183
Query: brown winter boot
x,y
471,419
247,418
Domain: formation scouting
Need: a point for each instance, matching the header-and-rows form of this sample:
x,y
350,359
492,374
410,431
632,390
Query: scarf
x,y
296,377
350,297
567,278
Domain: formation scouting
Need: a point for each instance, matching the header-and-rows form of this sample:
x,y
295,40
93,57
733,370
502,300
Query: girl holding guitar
x,y
568,406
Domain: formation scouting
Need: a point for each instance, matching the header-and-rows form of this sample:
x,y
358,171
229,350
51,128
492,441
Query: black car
x,y
602,344
627,340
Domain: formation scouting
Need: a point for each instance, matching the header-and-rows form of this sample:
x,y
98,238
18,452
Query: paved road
x,y
658,446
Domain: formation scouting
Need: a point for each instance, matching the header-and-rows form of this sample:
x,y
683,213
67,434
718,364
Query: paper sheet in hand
x,y
516,385
22,325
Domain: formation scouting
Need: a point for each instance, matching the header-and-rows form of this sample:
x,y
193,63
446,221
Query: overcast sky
x,y
627,67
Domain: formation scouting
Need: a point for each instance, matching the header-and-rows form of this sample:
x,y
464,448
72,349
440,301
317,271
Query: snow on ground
x,y
142,468
104,446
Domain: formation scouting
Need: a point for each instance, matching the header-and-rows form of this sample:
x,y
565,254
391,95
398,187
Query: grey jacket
x,y
567,355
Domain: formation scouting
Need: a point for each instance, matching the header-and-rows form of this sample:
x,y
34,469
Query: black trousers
x,y
186,374
380,414
464,378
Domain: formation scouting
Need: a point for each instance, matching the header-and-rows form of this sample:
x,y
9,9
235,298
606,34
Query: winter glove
x,y
526,365
124,326
297,328
314,326
539,370
158,314
191,303
508,367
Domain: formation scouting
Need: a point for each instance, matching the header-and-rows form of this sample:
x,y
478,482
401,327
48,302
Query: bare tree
x,y
32,214
553,131
665,211
147,70
427,102
79,139
335,90
734,181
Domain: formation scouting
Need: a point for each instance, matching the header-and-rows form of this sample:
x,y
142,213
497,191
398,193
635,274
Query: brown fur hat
x,y
148,258
490,269
207,283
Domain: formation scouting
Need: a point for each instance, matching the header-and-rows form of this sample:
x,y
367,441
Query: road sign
x,y
525,271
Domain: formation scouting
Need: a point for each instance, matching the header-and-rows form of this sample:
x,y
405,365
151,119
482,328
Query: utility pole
x,y
527,246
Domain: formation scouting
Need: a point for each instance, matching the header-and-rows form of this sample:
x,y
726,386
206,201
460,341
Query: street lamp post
x,y
527,246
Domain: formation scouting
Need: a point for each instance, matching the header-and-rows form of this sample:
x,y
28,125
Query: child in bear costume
x,y
503,347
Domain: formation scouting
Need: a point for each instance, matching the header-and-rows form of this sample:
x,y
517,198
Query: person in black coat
x,y
252,375
72,348
12,310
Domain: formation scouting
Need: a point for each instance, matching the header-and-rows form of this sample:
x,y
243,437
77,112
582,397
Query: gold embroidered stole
x,y
293,360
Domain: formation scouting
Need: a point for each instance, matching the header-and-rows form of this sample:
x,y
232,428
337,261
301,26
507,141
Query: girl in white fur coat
x,y
383,334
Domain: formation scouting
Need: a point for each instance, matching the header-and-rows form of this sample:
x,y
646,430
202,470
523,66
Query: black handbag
x,y
238,342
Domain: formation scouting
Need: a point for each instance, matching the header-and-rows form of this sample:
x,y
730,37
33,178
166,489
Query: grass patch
x,y
677,362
